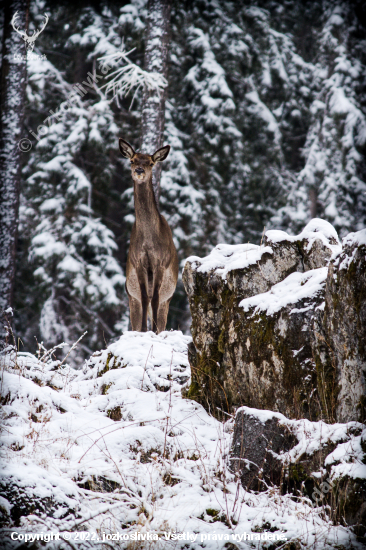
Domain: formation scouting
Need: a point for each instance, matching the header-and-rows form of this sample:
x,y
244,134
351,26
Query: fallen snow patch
x,y
116,448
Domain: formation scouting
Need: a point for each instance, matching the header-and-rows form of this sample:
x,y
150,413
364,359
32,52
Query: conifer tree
x,y
265,113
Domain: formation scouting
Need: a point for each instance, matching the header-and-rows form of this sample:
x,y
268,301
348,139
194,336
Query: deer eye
x,y
151,164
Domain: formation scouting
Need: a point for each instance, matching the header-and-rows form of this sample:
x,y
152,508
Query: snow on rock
x,y
345,322
256,313
352,241
227,257
296,287
300,453
318,238
116,448
315,229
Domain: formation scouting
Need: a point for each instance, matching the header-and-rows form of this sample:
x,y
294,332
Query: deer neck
x,y
146,210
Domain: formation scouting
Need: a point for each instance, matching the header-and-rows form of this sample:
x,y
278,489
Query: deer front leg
x,y
133,289
135,313
155,310
160,311
162,316
145,305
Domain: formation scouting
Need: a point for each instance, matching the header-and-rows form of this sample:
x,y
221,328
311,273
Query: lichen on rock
x,y
263,318
345,325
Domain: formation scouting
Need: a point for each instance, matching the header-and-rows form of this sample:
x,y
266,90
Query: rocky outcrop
x,y
258,441
258,324
323,462
345,326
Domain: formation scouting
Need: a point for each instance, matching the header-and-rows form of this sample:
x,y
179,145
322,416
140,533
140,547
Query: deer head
x,y
30,40
141,164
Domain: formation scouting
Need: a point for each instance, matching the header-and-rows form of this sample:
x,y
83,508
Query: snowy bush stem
x,y
158,37
13,79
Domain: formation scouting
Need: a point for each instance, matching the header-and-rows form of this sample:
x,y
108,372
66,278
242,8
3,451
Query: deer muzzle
x,y
139,171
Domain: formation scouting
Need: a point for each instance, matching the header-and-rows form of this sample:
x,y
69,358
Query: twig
x,y
73,347
143,376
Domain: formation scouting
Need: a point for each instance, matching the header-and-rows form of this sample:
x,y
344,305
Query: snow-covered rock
x,y
326,462
252,312
345,325
261,335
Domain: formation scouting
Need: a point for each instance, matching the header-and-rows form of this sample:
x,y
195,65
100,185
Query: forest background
x,y
266,117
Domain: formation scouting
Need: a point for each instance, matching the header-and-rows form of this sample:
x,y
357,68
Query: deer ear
x,y
126,149
161,154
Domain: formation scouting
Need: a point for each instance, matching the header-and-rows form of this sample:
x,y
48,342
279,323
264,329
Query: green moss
x,y
194,390
110,365
221,341
106,368
218,381
207,381
328,387
105,388
297,472
266,526
212,512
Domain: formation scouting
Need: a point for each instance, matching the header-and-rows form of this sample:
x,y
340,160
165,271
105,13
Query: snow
x,y
226,257
211,168
347,457
70,264
259,108
130,76
52,205
336,20
296,287
357,239
315,229
165,457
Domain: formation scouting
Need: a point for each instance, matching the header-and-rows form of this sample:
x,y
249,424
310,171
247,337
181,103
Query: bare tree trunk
x,y
12,99
158,38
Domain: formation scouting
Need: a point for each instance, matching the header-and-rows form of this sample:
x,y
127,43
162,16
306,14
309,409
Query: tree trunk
x,y
12,99
158,38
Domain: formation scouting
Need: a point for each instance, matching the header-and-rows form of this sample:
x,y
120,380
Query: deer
x,y
29,40
152,262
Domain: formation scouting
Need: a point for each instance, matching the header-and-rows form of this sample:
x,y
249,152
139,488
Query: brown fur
x,y
152,263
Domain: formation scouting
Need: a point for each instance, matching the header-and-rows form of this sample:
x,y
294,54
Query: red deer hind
x,y
152,263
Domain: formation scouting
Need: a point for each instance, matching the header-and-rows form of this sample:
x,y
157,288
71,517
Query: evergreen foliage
x,y
266,119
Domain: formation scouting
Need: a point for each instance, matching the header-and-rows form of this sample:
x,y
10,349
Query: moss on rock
x,y
302,360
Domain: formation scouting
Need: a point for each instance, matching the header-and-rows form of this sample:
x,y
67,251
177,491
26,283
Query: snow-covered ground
x,y
115,448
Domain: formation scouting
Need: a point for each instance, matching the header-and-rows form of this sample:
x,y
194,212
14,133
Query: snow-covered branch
x,y
130,76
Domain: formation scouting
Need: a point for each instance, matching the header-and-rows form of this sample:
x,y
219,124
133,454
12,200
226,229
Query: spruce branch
x,y
130,76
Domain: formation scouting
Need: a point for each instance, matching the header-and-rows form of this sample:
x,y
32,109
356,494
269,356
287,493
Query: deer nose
x,y
140,171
